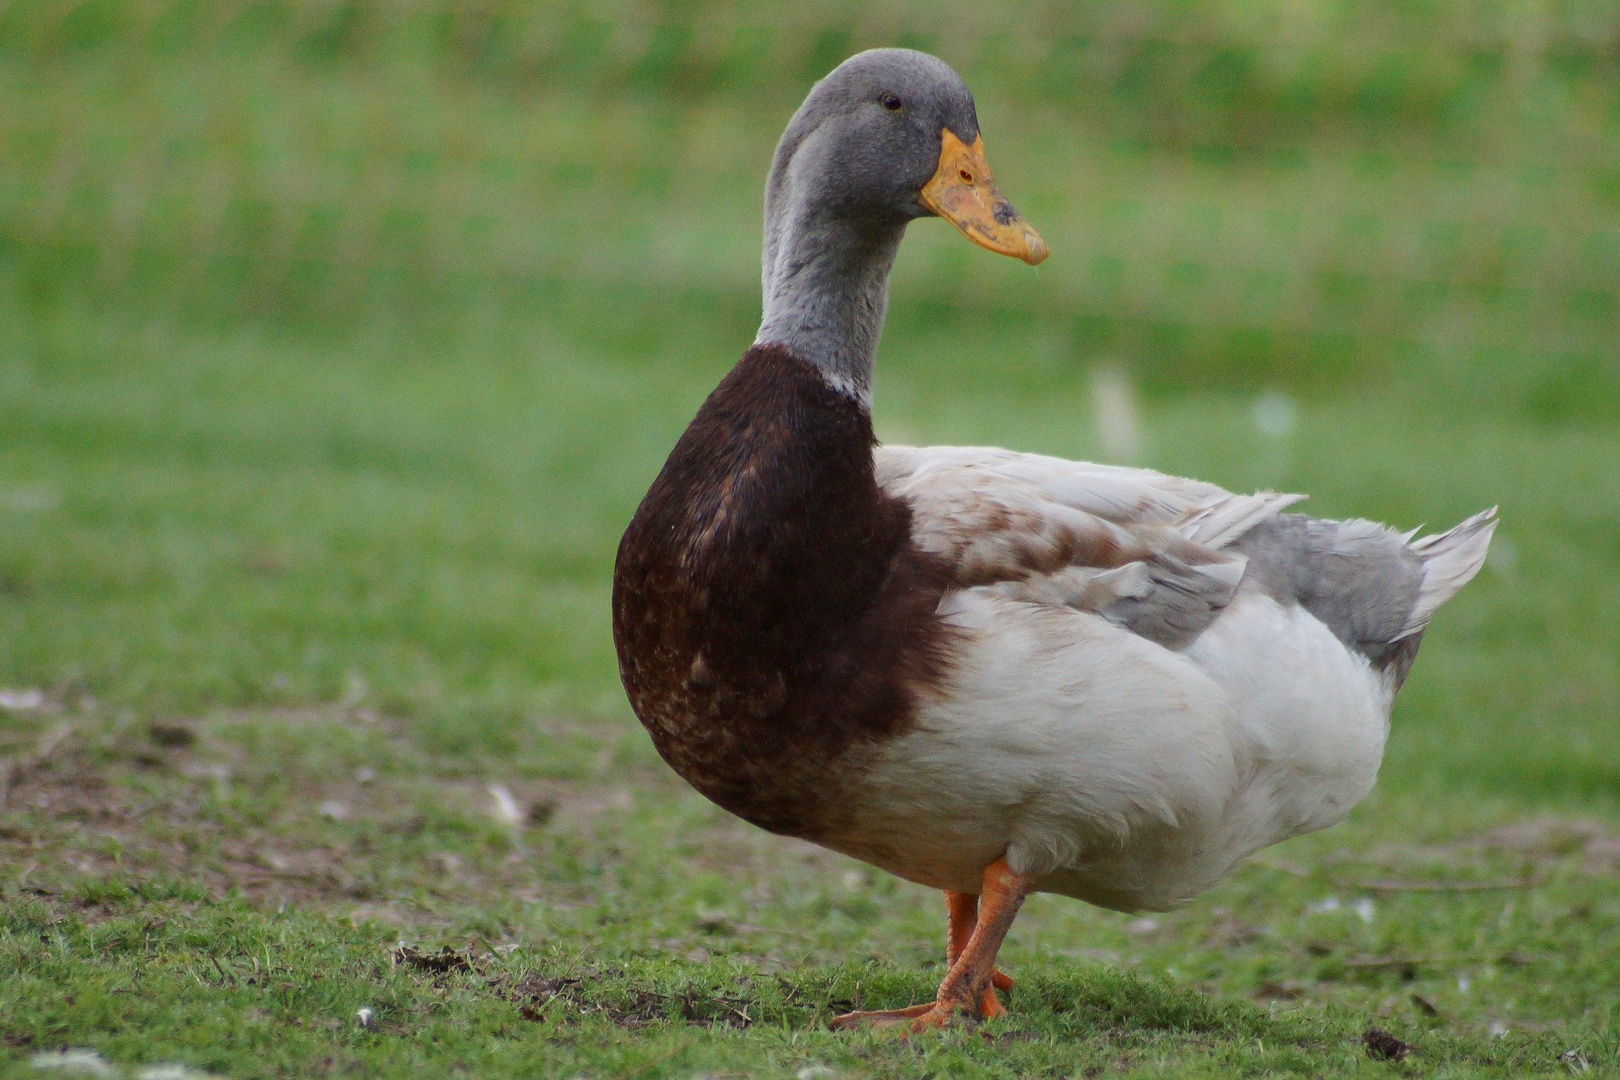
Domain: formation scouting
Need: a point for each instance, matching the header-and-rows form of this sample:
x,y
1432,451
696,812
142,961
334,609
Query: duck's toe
x,y
879,1018
926,1016
912,1020
941,1014
952,1007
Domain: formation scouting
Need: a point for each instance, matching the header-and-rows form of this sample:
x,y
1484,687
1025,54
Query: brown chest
x,y
771,615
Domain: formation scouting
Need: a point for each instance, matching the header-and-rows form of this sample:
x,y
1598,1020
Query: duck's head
x,y
891,135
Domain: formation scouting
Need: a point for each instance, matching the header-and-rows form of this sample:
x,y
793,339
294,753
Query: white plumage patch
x,y
1117,771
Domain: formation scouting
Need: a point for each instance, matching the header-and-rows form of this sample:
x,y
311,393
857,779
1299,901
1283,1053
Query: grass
x,y
338,342
229,893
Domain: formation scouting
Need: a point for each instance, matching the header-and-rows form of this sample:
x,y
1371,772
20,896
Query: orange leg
x,y
978,925
964,916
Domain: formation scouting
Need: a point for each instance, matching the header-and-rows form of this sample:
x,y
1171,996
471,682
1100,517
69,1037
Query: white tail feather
x,y
1450,561
1218,525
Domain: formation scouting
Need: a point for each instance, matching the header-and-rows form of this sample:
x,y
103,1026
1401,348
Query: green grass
x,y
338,342
229,892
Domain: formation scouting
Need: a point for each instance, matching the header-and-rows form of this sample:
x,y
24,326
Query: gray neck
x,y
826,285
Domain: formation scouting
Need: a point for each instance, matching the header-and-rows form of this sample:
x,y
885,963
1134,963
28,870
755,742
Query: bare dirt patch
x,y
1553,837
632,1008
600,992
1515,855
91,800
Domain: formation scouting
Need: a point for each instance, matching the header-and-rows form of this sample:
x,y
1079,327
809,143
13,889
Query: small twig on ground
x,y
1285,867
439,963
755,928
1446,886
50,741
1406,966
1425,1006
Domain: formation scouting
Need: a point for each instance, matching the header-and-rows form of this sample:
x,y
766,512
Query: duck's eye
x,y
891,102
967,177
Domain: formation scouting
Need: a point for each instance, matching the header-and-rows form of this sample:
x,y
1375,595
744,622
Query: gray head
x,y
867,138
888,136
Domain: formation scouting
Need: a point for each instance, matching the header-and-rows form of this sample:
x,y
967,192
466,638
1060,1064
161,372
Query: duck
x,y
988,672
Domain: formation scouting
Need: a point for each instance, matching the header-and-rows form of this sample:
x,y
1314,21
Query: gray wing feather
x,y
1161,598
1180,601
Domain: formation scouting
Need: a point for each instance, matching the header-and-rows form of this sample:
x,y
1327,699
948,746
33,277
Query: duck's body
x,y
984,671
907,654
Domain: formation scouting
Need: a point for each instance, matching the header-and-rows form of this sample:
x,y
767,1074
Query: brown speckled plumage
x,y
771,613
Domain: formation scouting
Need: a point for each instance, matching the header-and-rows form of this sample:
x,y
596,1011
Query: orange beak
x,y
962,193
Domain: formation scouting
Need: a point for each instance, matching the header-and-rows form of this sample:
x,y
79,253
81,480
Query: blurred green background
x,y
338,340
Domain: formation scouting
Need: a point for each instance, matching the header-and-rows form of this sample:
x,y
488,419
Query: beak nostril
x,y
979,213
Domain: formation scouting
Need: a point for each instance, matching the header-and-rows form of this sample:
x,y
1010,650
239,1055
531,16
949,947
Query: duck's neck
x,y
826,286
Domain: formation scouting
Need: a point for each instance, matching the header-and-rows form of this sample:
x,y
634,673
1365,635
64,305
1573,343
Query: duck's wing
x,y
1150,552
1162,556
